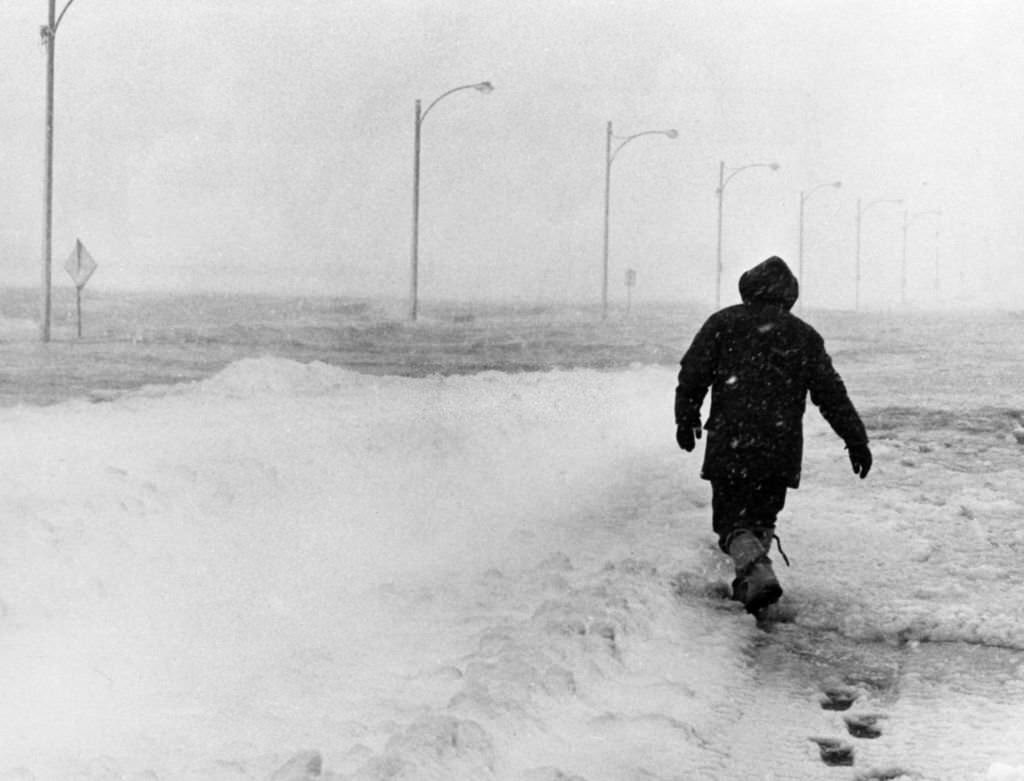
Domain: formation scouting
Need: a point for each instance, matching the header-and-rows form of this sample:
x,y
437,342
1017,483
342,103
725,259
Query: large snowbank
x,y
488,576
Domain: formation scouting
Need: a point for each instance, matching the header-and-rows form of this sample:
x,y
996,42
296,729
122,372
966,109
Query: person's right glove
x,y
860,459
687,435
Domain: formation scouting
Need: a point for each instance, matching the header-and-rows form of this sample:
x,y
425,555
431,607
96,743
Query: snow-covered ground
x,y
294,571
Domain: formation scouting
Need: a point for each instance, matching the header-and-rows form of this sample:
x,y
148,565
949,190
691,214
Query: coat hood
x,y
770,282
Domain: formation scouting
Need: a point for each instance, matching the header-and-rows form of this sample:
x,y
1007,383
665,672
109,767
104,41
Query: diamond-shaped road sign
x,y
80,264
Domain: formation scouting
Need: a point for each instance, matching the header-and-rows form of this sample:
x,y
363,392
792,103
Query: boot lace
x,y
778,544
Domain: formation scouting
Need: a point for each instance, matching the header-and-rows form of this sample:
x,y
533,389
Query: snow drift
x,y
487,576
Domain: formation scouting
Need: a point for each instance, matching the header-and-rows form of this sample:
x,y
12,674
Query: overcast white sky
x,y
268,144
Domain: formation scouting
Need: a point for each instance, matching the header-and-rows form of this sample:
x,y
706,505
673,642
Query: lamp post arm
x,y
483,86
64,10
61,16
773,166
627,139
806,195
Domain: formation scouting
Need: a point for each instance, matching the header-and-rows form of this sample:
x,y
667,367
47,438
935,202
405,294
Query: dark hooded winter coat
x,y
760,362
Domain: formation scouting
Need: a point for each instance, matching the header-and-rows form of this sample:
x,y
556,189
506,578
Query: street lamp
x,y
861,211
609,157
484,87
803,200
908,220
723,180
49,36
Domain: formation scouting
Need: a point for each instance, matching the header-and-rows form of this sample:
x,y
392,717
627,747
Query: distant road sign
x,y
630,278
80,265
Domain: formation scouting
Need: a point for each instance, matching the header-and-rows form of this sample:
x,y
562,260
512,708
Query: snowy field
x,y
279,568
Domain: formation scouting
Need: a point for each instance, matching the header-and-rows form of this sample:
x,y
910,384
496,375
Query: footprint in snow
x,y
840,698
864,725
834,753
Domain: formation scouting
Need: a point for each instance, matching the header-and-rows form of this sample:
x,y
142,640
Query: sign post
x,y
630,284
80,267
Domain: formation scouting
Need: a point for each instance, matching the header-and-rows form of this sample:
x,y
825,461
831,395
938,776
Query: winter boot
x,y
755,584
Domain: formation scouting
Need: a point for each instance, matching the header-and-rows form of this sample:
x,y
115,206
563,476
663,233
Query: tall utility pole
x,y
607,212
903,262
800,265
609,158
723,180
861,211
49,36
420,115
718,254
49,39
415,252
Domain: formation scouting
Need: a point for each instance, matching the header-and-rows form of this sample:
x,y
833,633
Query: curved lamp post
x,y
484,87
908,220
861,211
804,195
723,180
48,32
609,158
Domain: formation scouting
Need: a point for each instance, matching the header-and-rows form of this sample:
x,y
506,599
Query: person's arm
x,y
696,371
828,394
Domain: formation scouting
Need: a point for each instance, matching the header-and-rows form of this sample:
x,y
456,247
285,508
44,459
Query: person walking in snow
x,y
760,362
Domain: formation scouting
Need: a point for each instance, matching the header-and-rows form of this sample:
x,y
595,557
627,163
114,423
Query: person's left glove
x,y
860,459
687,435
